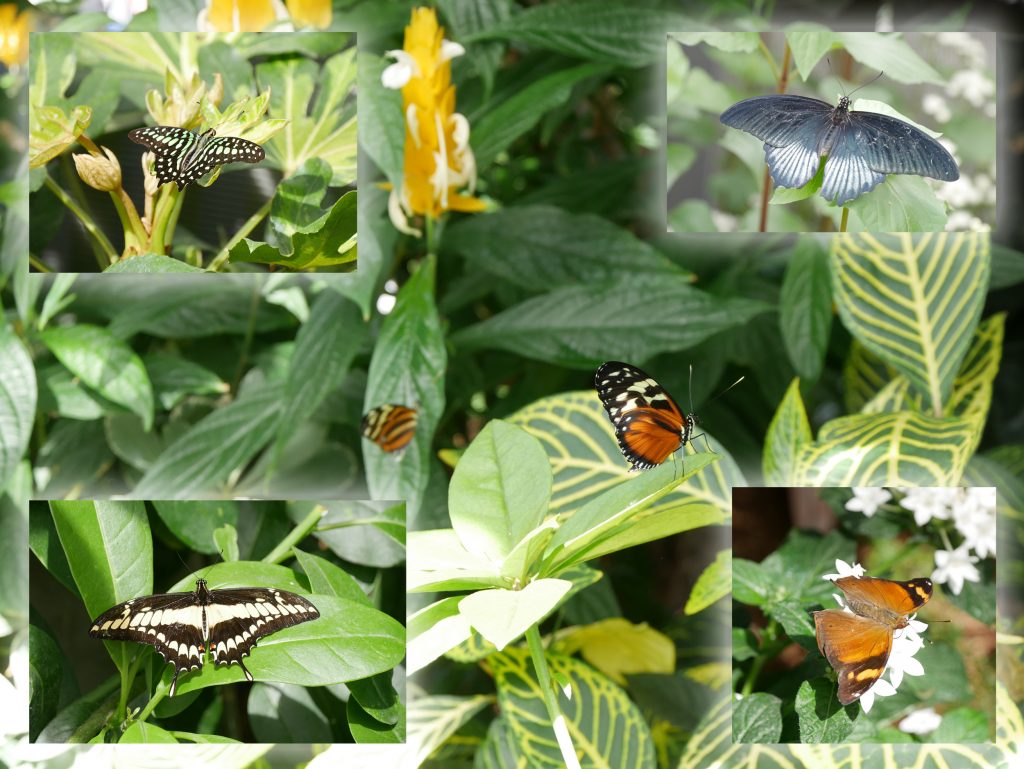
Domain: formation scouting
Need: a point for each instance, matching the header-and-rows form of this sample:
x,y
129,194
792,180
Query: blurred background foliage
x,y
944,81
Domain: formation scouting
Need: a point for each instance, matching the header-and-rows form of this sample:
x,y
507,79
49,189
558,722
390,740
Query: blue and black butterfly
x,y
860,147
182,156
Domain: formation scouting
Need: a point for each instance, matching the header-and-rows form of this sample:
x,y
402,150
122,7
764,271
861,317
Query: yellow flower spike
x,y
100,173
238,15
14,29
310,13
438,163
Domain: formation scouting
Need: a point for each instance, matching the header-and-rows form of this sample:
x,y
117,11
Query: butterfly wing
x,y
648,424
792,128
239,617
390,426
169,144
857,648
889,595
170,622
893,146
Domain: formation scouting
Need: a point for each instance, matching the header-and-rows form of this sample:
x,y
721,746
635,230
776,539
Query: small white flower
x,y
974,515
867,500
396,75
954,567
928,503
844,569
921,721
936,106
450,50
881,688
972,86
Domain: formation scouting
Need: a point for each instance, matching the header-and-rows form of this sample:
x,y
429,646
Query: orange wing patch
x,y
857,645
390,426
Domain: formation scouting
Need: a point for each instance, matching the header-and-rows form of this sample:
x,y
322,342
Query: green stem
x,y
302,530
248,227
250,330
540,664
156,699
135,237
360,522
103,247
37,264
163,210
846,217
172,219
767,651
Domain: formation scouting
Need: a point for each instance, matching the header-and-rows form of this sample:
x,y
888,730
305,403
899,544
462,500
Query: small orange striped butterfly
x,y
858,645
390,426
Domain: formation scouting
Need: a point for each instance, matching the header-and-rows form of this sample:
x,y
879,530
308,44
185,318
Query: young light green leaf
x,y
501,616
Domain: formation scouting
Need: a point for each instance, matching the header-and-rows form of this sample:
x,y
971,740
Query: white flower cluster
x,y
972,513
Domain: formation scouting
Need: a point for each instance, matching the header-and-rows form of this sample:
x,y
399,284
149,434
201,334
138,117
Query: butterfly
x,y
861,147
183,626
390,426
857,645
649,426
182,156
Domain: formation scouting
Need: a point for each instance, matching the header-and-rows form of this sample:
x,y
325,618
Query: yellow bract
x,y
438,160
310,13
14,29
239,15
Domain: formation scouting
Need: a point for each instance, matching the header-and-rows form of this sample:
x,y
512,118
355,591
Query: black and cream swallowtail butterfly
x,y
183,626
182,156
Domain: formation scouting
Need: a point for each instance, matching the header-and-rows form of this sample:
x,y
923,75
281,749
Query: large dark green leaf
x,y
17,401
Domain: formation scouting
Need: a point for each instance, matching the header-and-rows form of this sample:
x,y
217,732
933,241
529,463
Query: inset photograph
x,y
810,130
864,615
217,621
186,152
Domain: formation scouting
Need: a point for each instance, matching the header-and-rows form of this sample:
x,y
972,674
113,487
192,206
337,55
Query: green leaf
x,y
597,712
194,523
45,671
435,630
325,347
71,460
17,401
367,729
543,247
903,203
202,459
788,433
757,718
631,36
142,732
130,442
296,202
365,532
899,449
174,378
433,719
378,698
805,307
891,54
913,300
318,244
521,111
809,43
821,717
151,263
106,364
225,541
579,326
502,616
286,713
408,368
499,491
326,578
963,725
14,522
382,122
328,130
714,584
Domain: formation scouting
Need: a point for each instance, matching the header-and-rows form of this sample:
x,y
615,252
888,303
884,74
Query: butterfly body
x,y
649,426
857,643
390,426
183,626
860,147
183,156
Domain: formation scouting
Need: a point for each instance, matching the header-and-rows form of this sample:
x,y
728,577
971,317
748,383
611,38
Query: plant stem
x,y
846,216
104,248
250,330
540,664
37,264
782,75
161,218
158,695
296,535
766,651
248,227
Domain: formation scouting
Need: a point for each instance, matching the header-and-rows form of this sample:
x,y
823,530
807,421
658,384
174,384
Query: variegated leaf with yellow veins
x,y
788,434
913,300
606,728
618,647
580,443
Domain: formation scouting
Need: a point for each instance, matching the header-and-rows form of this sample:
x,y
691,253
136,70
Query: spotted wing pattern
x,y
649,426
182,626
182,156
390,426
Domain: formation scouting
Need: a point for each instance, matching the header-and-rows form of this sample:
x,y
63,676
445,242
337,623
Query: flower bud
x,y
100,173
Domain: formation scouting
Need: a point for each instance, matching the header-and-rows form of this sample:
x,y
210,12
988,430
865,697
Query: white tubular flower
x,y
843,569
867,500
954,567
928,503
923,721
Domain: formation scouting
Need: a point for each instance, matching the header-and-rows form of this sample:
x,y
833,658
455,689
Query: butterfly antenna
x,y
882,72
726,390
833,74
691,388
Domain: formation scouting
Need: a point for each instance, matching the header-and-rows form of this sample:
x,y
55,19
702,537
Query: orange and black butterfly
x,y
649,426
390,426
857,645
